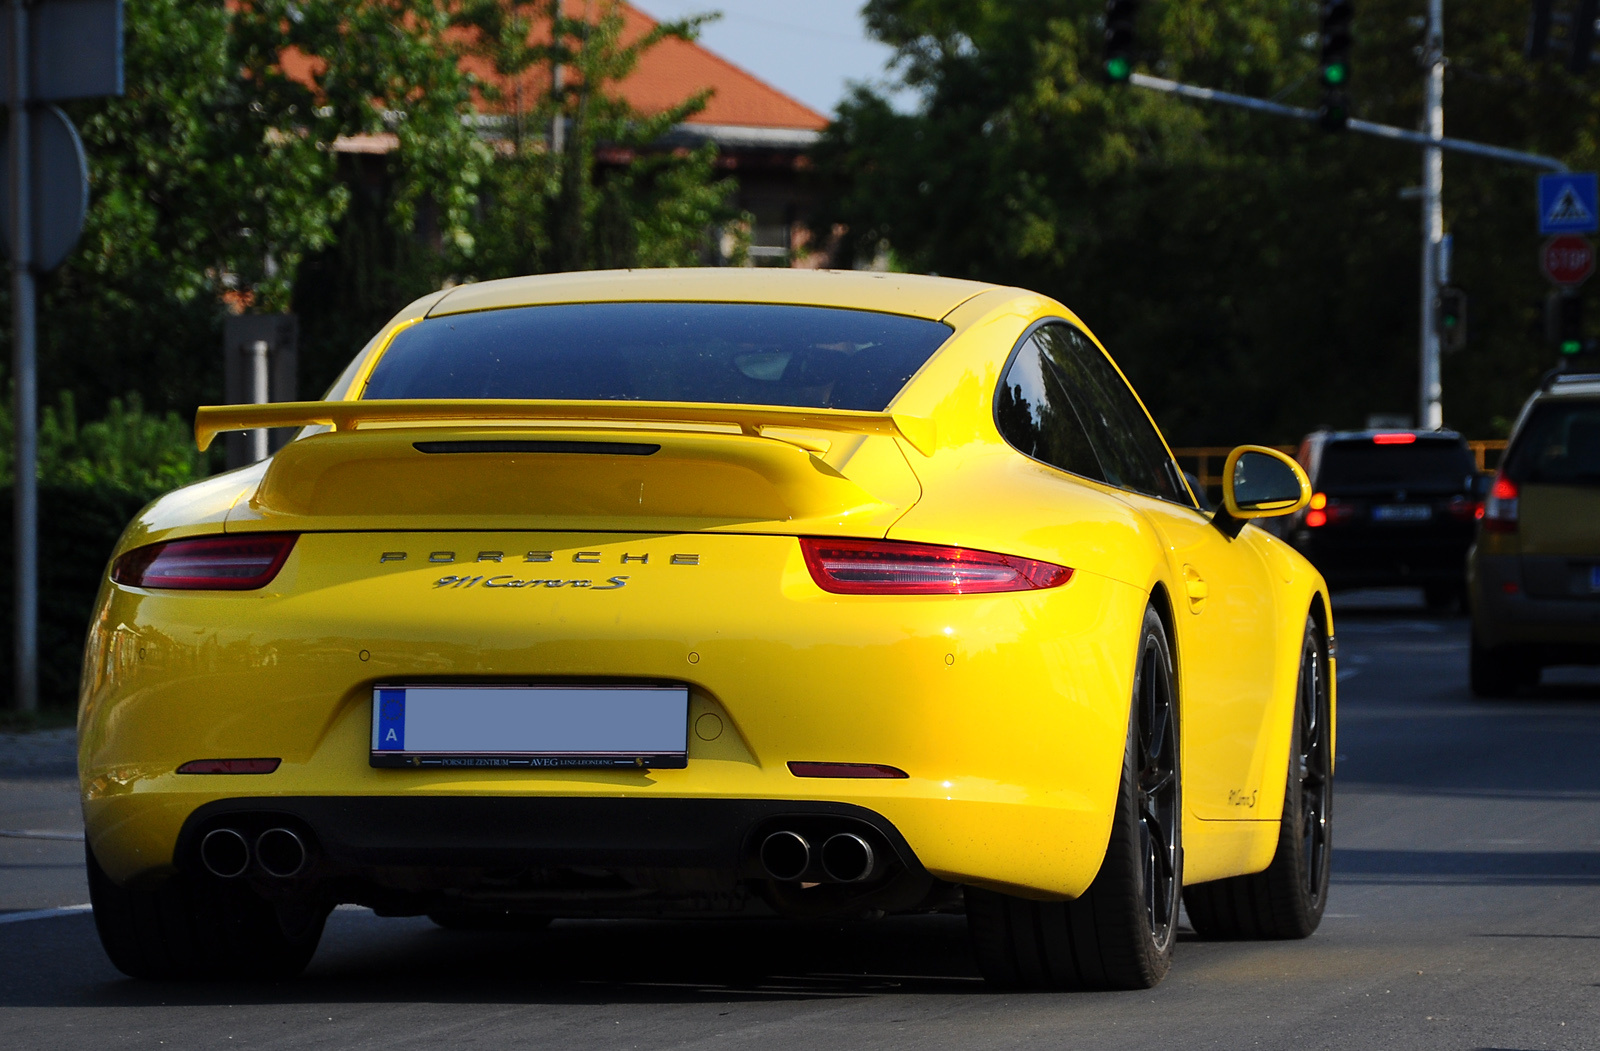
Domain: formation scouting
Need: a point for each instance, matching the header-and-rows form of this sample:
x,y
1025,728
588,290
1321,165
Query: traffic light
x,y
1118,64
1563,322
1452,318
1336,40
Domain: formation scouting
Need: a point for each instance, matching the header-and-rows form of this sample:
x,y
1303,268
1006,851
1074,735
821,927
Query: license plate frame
x,y
1404,514
529,726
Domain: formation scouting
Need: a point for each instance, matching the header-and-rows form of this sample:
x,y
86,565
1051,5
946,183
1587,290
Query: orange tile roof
x,y
666,75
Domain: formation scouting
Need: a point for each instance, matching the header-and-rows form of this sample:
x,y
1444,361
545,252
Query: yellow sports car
x,y
713,592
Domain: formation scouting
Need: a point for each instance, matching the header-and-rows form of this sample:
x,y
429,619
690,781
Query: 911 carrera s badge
x,y
506,580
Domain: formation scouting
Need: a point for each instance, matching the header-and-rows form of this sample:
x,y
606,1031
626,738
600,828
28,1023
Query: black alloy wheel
x,y
1157,796
1119,933
1314,752
1286,900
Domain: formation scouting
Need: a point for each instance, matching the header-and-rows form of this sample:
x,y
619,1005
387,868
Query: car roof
x,y
914,295
1571,385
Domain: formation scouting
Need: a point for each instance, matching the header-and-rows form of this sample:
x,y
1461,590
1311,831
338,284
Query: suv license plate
x,y
1402,513
539,727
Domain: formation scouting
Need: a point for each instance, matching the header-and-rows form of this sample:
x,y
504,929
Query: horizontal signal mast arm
x,y
211,420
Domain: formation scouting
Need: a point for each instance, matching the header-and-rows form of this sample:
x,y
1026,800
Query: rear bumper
x,y
1008,712
1549,630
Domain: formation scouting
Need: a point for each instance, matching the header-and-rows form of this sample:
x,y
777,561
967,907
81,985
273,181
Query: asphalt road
x,y
1465,913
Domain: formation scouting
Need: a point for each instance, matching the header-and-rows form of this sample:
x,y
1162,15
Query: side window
x,y
1035,414
1125,442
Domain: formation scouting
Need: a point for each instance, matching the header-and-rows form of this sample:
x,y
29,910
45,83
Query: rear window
x,y
1559,444
1423,464
739,353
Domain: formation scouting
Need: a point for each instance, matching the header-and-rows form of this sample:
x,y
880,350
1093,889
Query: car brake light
x,y
881,567
1500,510
1394,439
1316,518
216,563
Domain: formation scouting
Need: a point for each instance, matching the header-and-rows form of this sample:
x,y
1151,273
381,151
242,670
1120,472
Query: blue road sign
x,y
1569,203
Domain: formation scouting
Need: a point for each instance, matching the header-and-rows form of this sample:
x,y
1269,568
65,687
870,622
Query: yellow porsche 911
x,y
711,593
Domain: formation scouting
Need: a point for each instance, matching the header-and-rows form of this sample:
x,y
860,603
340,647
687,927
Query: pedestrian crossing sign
x,y
1567,203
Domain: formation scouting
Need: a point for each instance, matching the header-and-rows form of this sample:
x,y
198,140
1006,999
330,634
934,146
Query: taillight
x,y
1324,510
880,567
216,563
1500,510
1394,439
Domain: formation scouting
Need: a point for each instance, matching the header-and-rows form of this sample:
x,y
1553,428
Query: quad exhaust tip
x,y
281,852
785,855
848,858
225,853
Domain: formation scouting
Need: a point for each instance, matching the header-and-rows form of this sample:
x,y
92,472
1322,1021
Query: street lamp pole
x,y
1430,408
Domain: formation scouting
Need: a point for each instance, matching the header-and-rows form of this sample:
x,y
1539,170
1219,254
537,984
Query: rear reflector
x,y
881,567
218,563
845,770
1394,439
229,766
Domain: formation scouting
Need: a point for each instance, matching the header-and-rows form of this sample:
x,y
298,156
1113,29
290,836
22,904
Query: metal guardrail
x,y
1205,461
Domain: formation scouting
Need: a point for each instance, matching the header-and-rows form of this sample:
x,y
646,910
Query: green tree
x,y
581,182
1255,276
213,177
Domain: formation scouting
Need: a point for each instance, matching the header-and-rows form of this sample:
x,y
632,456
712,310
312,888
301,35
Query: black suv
x,y
1389,507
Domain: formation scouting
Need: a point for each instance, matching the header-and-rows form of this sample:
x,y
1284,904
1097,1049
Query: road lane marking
x,y
39,833
44,914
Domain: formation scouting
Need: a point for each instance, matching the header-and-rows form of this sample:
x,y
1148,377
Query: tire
x,y
184,927
1498,672
1286,900
488,919
1119,933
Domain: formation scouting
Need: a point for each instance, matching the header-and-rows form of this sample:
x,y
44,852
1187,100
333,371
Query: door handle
x,y
1196,588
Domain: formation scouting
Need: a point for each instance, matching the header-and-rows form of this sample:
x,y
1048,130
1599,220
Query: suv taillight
x,y
1500,510
214,563
882,567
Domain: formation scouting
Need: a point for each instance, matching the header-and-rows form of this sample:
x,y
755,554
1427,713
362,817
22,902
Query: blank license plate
x,y
1402,513
530,726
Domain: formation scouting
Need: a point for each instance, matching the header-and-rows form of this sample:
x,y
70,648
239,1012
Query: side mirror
x,y
1258,482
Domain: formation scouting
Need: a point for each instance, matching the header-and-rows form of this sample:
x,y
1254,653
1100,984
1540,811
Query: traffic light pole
x,y
24,377
1430,406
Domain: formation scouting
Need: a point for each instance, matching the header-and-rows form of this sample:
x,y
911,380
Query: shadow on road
x,y
368,960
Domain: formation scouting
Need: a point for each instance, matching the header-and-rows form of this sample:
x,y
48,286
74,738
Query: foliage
x,y
576,185
1254,276
213,177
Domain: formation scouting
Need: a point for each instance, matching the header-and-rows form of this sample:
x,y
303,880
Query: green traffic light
x,y
1572,346
1336,73
1118,68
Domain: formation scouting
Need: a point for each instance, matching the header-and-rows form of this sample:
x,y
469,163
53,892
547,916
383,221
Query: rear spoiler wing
x,y
210,420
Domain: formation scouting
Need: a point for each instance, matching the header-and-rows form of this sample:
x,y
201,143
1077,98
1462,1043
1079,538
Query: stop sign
x,y
1567,260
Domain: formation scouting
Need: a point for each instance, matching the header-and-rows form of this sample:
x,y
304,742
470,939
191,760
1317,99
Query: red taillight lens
x,y
1394,439
881,567
1314,519
218,563
1500,510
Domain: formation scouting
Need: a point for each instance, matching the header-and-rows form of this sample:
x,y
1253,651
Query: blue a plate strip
x,y
391,721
